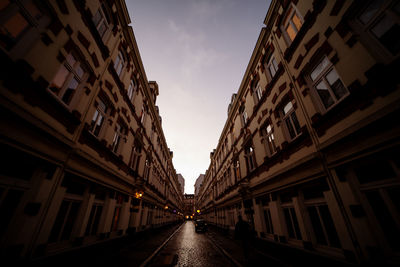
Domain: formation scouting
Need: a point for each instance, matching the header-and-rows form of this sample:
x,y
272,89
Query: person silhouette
x,y
242,233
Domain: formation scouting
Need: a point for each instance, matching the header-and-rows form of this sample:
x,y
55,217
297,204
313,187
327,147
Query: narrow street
x,y
188,248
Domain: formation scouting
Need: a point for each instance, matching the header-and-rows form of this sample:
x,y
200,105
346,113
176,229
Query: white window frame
x,y
72,75
118,138
272,65
119,63
99,113
287,116
320,78
371,42
268,138
131,89
292,10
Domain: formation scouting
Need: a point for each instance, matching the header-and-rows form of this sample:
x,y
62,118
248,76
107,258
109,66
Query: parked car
x,y
200,225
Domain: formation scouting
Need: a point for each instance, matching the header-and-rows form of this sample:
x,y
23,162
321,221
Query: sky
x,y
197,51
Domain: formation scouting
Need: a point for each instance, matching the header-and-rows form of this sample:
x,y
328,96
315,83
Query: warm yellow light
x,y
187,217
138,194
166,207
198,211
191,217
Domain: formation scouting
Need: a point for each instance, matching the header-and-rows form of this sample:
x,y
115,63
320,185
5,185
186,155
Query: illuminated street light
x,y
198,211
166,207
139,195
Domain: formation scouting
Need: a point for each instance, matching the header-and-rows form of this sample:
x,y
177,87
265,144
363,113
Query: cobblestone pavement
x,y
188,248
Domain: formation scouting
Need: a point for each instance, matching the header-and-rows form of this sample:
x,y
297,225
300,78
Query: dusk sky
x,y
197,51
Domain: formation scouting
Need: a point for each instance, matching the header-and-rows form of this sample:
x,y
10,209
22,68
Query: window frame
x,y
269,143
288,117
119,62
119,135
99,111
102,10
367,38
72,75
287,19
322,77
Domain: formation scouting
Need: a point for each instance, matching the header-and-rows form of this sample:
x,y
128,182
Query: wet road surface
x,y
188,248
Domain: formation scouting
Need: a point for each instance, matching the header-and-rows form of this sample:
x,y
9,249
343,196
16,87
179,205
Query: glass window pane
x,y
383,25
291,31
16,25
387,32
70,220
296,21
97,17
317,226
71,60
287,108
102,29
385,218
338,89
59,79
295,224
329,226
272,70
288,222
370,11
325,96
295,122
290,128
62,212
102,106
70,91
79,71
318,70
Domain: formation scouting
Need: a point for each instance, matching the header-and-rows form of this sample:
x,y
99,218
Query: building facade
x,y
197,184
84,157
181,181
188,200
309,152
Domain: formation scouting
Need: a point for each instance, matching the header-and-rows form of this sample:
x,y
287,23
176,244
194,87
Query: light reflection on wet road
x,y
188,248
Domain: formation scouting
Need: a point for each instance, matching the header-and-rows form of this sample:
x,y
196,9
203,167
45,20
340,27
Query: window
x,y
292,23
268,139
65,220
290,120
68,79
323,226
135,156
250,157
143,114
272,67
16,19
117,213
101,21
291,223
269,228
379,21
147,166
118,135
119,63
94,219
98,118
131,89
327,84
257,91
244,117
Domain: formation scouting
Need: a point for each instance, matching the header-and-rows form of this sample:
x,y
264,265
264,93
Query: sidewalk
x,y
264,253
130,250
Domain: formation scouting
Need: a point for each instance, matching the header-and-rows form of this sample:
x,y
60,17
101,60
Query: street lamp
x,y
139,194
